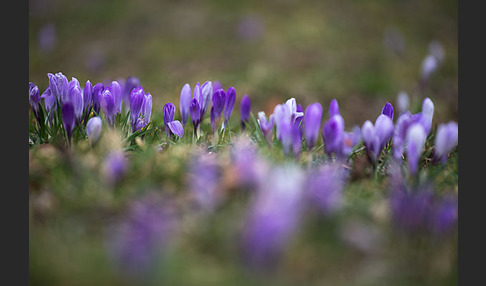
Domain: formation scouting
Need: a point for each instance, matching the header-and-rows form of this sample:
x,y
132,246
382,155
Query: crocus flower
x,y
416,140
312,123
93,129
87,98
333,108
171,126
130,83
265,125
185,102
59,85
75,95
146,110
245,108
376,136
143,235
50,103
34,100
217,85
115,166
116,91
388,110
292,105
229,104
137,96
204,180
249,166
195,111
444,216
324,188
351,139
68,119
411,209
400,133
219,100
446,139
333,135
97,90
205,97
273,217
107,102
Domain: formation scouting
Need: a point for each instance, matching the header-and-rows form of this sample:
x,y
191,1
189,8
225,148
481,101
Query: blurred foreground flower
x,y
445,140
204,180
324,187
115,166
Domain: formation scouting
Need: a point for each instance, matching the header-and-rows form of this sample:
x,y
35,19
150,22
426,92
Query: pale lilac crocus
x,y
245,107
206,92
172,126
58,84
333,108
185,102
324,187
229,104
50,103
415,143
400,133
116,90
312,123
425,116
273,217
93,129
75,95
266,125
376,136
446,139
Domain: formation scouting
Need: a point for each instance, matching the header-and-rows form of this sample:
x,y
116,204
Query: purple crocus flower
x,y
333,108
75,95
400,133
444,216
140,124
204,180
107,102
68,119
425,116
171,126
116,91
93,129
249,166
195,111
245,107
185,102
388,110
115,166
50,103
376,136
229,104
205,97
219,100
137,97
273,217
34,100
416,140
266,125
97,90
143,235
146,110
87,98
333,135
217,85
59,85
446,139
293,109
324,188
130,83
410,210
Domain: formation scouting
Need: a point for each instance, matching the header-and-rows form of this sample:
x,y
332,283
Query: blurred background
x,y
363,53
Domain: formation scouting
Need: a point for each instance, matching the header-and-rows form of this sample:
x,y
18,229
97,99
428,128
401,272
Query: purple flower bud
x,y
333,135
137,96
427,113
324,188
265,125
93,129
245,107
273,217
312,123
333,108
68,119
205,97
58,84
383,129
388,110
282,115
169,113
146,110
34,99
130,84
446,139
50,102
416,140
400,133
141,123
444,216
97,90
75,95
219,100
185,102
229,104
115,166
195,111
87,96
116,91
371,141
176,128
107,102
